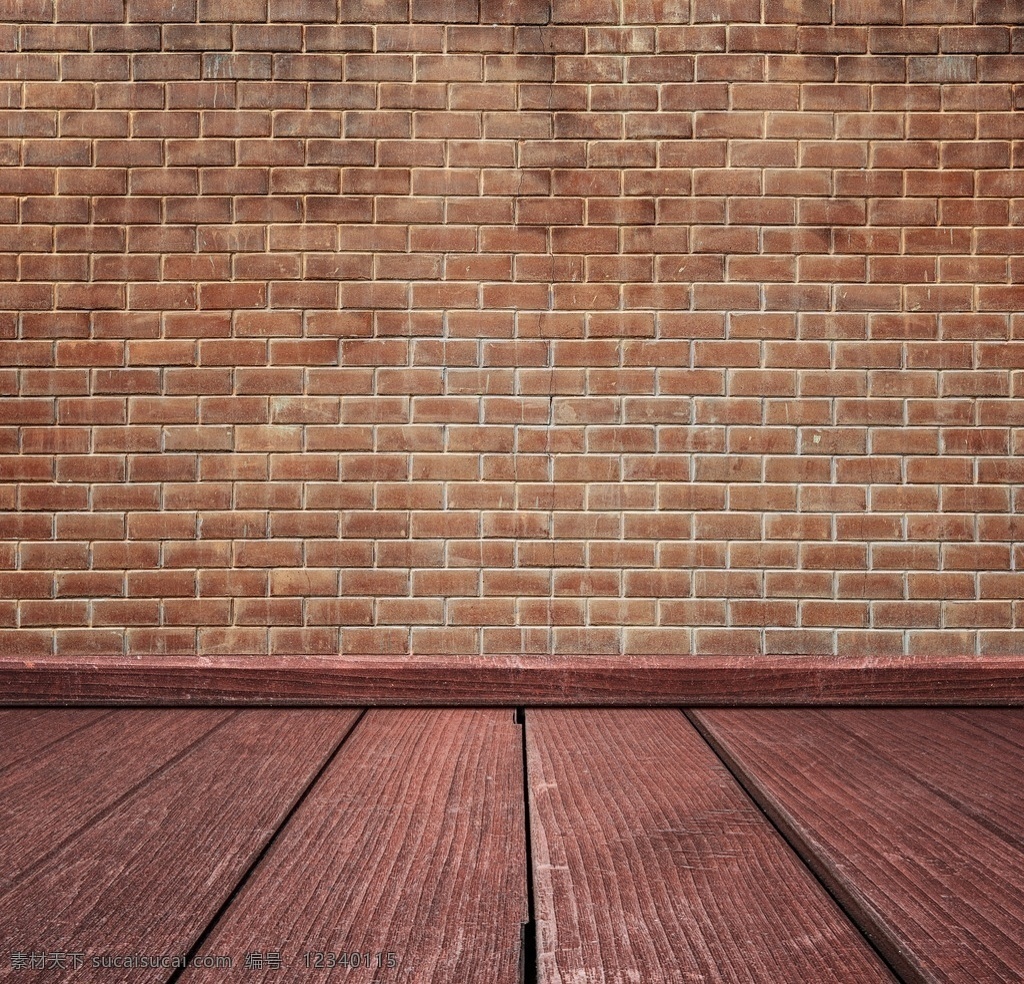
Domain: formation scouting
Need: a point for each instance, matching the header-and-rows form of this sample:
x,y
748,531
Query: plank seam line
x,y
36,752
250,870
985,727
964,806
528,973
31,870
794,844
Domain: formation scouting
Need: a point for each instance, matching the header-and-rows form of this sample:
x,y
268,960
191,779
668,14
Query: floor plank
x,y
412,843
48,798
938,890
972,768
152,871
1006,723
29,732
651,864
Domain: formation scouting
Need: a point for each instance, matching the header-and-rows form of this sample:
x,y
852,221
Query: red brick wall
x,y
598,326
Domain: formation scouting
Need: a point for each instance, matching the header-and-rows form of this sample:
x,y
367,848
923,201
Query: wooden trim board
x,y
507,681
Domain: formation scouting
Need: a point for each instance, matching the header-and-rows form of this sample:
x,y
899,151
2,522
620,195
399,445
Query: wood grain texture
x,y
650,864
47,799
412,842
975,770
933,884
517,681
1004,723
25,732
150,873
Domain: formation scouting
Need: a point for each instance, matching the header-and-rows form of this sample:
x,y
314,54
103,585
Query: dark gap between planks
x,y
201,939
794,844
528,942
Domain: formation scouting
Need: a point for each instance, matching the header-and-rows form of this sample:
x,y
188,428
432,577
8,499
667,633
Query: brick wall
x,y
482,326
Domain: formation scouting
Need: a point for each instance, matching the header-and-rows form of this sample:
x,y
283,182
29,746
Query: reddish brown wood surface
x,y
27,732
131,828
1004,723
149,874
46,799
650,864
936,884
518,681
973,768
411,844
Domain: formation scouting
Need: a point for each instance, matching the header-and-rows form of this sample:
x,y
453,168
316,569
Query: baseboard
x,y
382,681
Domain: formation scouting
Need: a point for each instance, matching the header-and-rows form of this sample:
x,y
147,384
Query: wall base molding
x,y
394,681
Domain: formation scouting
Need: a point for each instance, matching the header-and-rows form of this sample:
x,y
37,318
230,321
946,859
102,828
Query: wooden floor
x,y
492,846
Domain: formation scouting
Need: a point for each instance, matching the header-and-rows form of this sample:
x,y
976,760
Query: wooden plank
x,y
154,869
650,864
1002,722
49,798
514,681
411,844
26,732
974,769
938,890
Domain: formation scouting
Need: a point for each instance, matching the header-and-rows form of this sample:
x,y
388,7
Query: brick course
x,y
480,326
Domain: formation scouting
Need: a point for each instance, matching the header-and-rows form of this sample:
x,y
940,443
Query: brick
x,y
231,10
797,11
445,11
372,11
515,11
725,10
731,641
995,12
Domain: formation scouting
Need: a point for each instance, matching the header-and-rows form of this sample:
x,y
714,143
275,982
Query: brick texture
x,y
480,326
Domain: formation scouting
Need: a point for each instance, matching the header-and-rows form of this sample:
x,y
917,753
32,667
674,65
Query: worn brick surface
x,y
480,326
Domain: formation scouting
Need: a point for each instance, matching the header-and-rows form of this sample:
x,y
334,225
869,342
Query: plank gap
x,y
798,847
201,939
101,814
22,743
528,938
410,847
937,889
961,794
651,864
